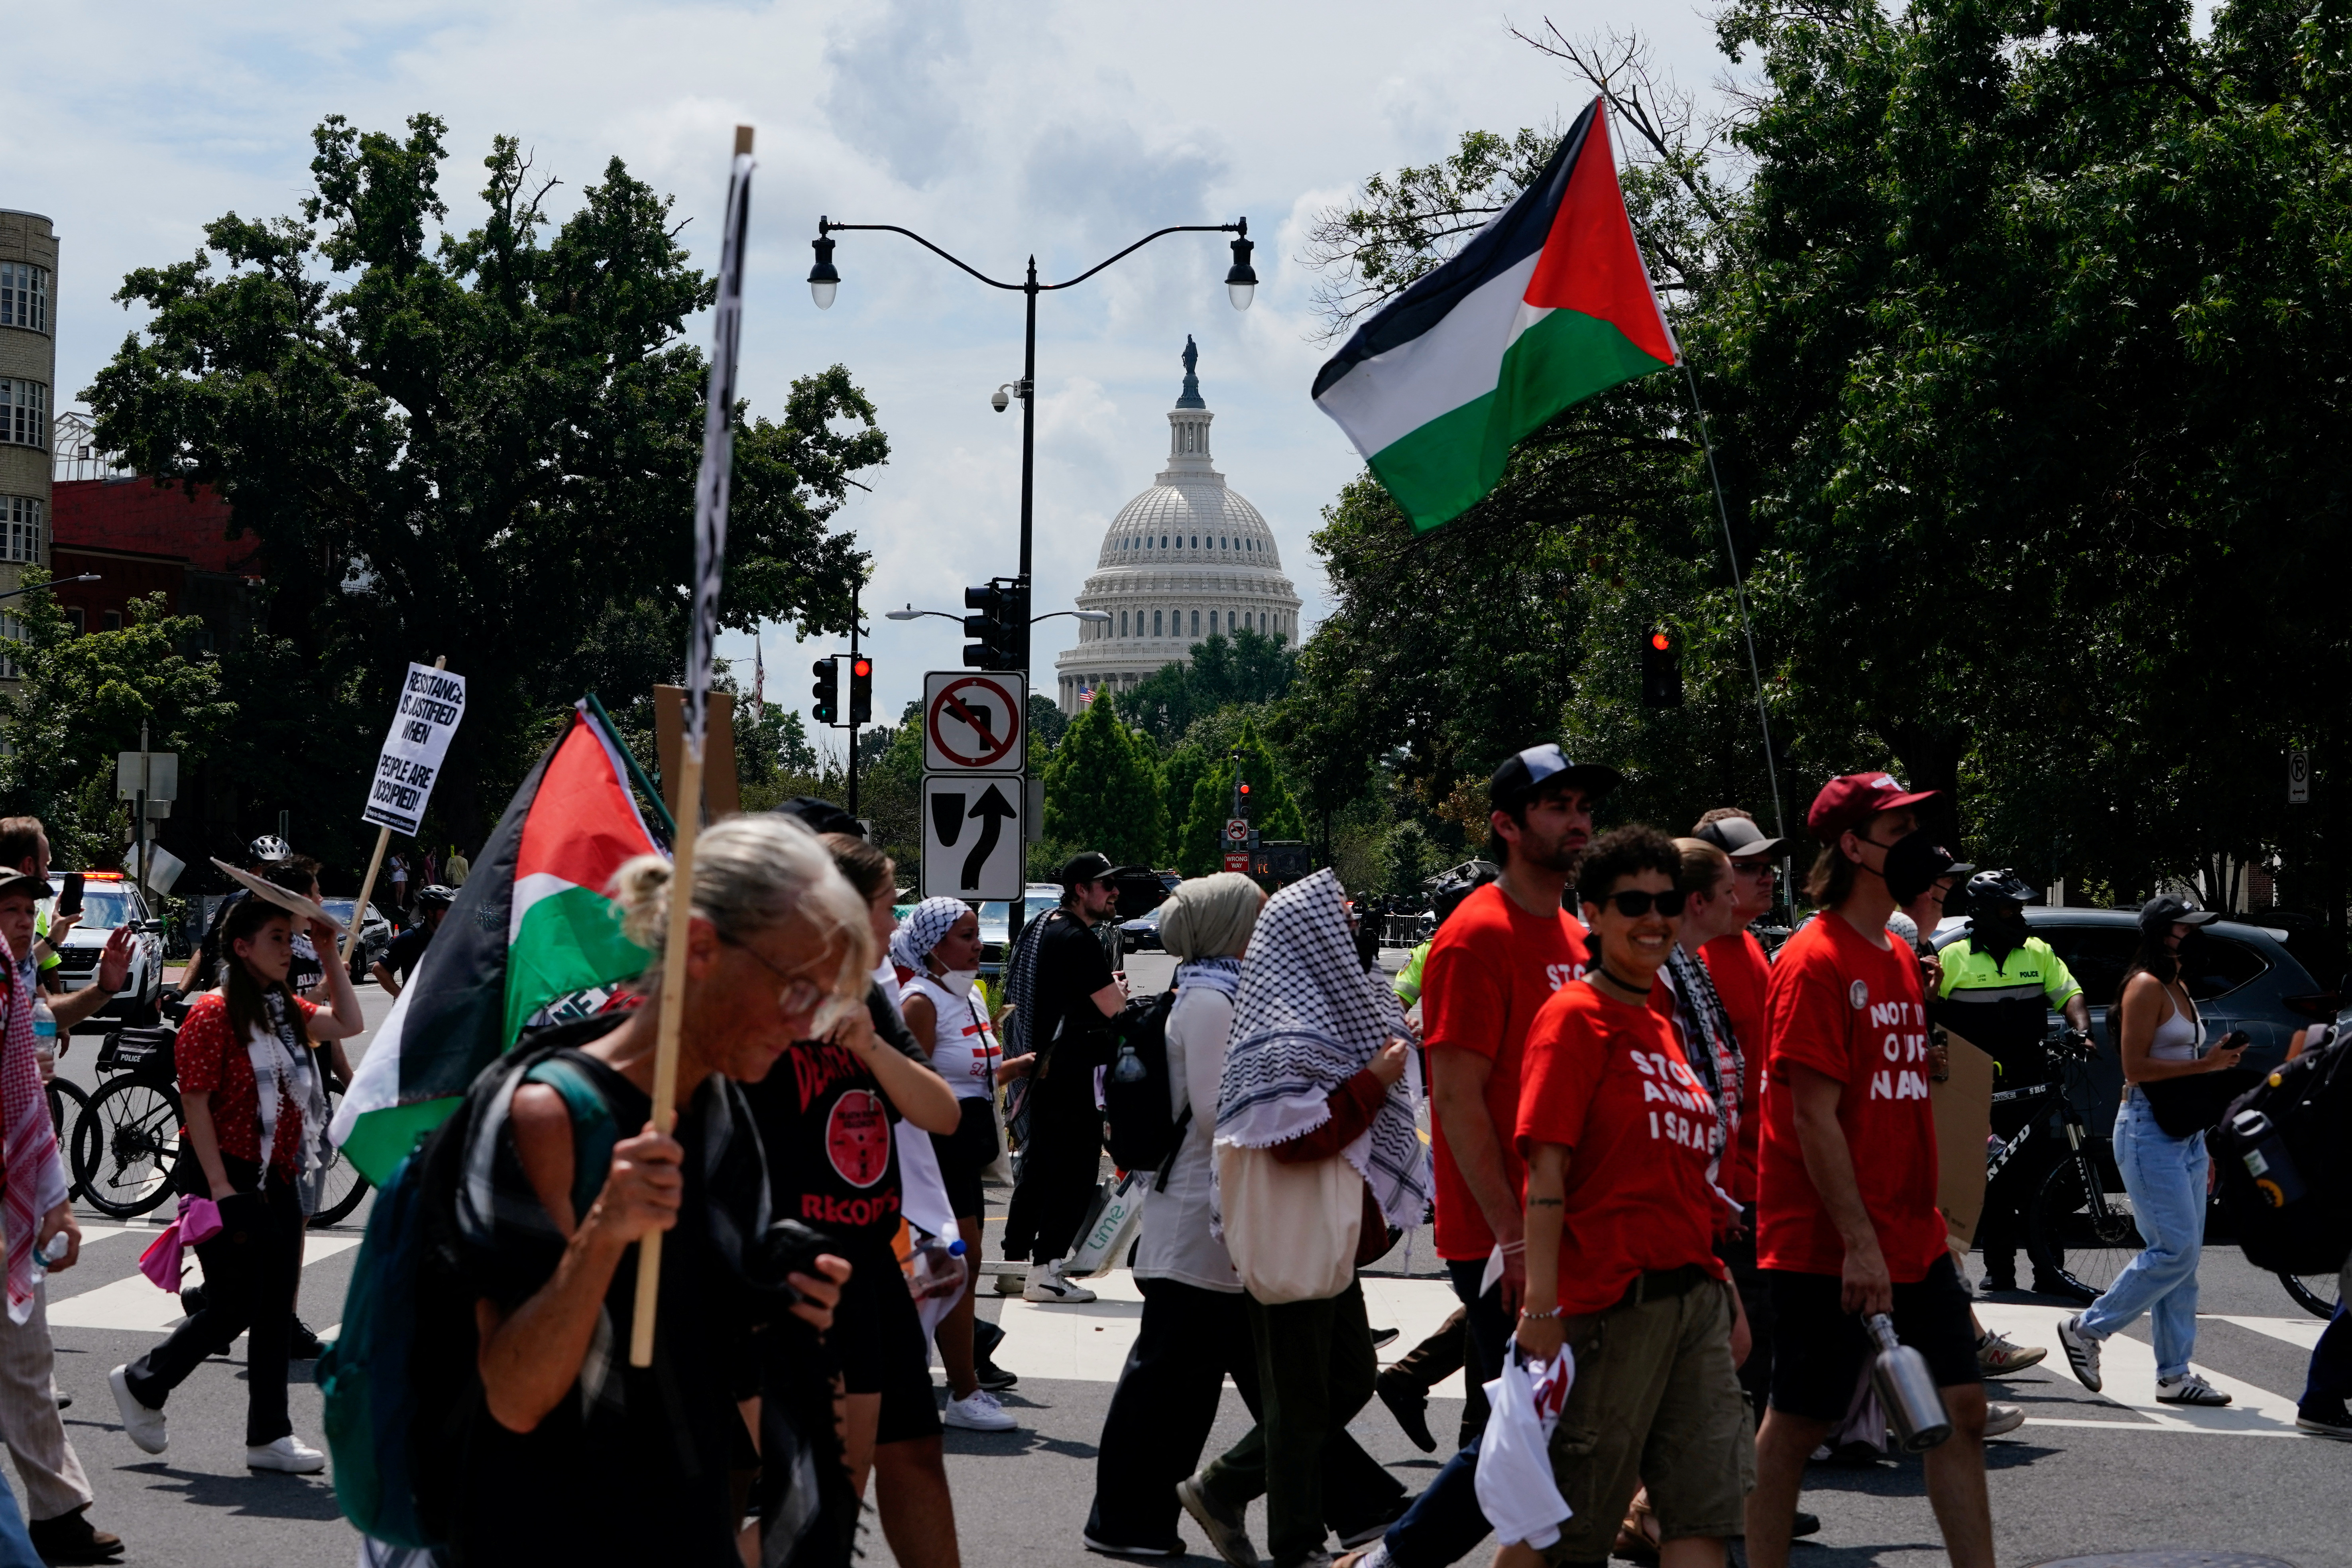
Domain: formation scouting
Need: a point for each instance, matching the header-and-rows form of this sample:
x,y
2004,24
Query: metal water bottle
x,y
1915,1407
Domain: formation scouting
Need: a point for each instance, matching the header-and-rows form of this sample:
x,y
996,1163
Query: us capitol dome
x,y
1183,561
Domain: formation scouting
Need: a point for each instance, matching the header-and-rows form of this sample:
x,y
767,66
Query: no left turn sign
x,y
974,722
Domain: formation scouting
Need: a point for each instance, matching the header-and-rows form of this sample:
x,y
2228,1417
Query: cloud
x,y
891,93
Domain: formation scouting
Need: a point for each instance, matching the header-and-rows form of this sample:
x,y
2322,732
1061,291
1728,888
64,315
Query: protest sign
x,y
432,702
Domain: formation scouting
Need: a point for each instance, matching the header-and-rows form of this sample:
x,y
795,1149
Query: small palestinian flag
x,y
532,925
1545,306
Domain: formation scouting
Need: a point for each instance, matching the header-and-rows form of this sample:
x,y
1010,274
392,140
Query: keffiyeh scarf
x,y
28,1142
1709,1044
1221,974
1308,1017
921,929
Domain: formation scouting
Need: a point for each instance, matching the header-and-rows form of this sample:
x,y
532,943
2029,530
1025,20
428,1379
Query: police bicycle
x,y
2079,1226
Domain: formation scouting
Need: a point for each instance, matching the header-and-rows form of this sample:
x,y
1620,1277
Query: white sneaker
x,y
2188,1389
1046,1285
2082,1352
289,1454
979,1413
144,1428
2002,1420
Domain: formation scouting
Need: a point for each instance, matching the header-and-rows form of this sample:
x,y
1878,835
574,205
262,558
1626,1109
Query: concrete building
x,y
28,377
1187,559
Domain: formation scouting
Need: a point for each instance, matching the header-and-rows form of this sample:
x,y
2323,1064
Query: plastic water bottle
x,y
46,1256
45,1037
939,1269
1129,1067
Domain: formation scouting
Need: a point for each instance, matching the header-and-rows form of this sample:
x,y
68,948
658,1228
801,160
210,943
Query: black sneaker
x,y
2328,1420
993,1377
1383,1338
1806,1524
68,1538
1408,1403
302,1344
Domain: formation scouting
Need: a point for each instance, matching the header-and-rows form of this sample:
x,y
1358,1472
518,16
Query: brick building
x,y
141,538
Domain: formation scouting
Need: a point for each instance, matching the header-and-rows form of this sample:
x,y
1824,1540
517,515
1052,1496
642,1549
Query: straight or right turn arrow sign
x,y
974,846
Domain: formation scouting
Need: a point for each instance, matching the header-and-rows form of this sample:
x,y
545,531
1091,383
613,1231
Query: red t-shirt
x,y
1741,972
1850,1010
210,1059
1491,969
1610,1084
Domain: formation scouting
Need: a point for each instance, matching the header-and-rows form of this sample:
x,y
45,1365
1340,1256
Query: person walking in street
x,y
1315,1077
398,965
398,873
1846,1182
457,868
2161,1037
254,1103
1621,1136
571,1455
1998,980
1063,989
936,948
40,1234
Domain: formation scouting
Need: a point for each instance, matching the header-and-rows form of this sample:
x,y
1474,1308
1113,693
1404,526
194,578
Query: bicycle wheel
x,y
2315,1293
343,1186
68,1105
127,1146
2083,1243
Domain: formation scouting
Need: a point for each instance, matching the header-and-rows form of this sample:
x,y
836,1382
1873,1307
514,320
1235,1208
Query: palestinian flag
x,y
531,925
1546,305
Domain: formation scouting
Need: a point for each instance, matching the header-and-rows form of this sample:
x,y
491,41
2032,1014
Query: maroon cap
x,y
1847,803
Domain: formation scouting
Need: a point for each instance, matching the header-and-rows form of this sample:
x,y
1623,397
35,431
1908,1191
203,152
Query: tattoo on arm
x,y
1543,1202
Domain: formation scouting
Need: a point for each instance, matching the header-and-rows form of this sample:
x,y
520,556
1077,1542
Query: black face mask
x,y
1912,863
2000,929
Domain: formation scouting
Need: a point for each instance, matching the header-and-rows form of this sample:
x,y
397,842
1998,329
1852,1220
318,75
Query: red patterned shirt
x,y
212,1060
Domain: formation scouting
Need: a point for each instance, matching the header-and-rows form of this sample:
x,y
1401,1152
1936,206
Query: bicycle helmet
x,y
1452,891
1997,887
268,849
437,897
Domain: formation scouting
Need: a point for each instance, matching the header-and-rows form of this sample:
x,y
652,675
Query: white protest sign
x,y
431,703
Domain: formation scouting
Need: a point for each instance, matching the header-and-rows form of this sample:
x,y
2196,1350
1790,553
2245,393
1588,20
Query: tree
x,y
1250,666
1267,807
79,700
1102,792
451,443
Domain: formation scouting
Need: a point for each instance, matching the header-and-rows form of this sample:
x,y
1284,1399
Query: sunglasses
x,y
1754,868
1633,905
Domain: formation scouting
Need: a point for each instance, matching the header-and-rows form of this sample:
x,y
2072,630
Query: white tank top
x,y
2180,1036
963,1047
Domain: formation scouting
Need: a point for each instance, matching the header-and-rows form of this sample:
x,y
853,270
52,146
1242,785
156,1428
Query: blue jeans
x,y
2328,1387
1444,1523
2166,1179
16,1545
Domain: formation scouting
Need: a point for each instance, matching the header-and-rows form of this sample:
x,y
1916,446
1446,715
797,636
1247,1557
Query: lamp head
x,y
909,614
824,278
1095,616
1241,280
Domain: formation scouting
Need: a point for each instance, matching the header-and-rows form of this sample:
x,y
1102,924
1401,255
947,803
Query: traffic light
x,y
1002,627
861,690
827,691
1661,669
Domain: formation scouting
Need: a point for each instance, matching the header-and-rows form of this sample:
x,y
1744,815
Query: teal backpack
x,y
400,1379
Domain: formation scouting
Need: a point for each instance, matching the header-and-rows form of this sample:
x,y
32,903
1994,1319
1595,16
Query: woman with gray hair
x,y
575,1456
1194,1332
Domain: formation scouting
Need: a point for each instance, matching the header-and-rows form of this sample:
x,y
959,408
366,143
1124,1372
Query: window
x,y
1155,623
1196,623
24,296
73,618
1163,541
1122,623
12,631
24,413
20,529
112,620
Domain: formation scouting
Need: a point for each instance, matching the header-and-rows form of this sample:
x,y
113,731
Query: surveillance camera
x,y
998,401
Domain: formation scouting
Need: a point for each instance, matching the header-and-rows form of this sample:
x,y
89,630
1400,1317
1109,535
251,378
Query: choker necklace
x,y
1602,971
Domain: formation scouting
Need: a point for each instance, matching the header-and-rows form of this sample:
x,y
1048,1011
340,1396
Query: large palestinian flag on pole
x,y
1545,306
532,925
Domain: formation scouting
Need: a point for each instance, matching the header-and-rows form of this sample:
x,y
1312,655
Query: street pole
x,y
854,588
146,782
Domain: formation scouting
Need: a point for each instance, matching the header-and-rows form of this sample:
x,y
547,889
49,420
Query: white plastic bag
x,y
1514,1485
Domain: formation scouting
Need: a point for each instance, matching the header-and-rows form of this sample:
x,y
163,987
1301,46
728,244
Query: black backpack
x,y
2288,1184
1144,1135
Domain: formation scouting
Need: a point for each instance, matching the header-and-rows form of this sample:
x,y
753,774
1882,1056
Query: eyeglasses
x,y
800,995
1634,904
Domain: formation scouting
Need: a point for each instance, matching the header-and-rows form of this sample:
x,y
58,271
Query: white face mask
x,y
960,982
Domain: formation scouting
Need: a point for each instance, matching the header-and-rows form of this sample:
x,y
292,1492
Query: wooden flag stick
x,y
375,864
673,1010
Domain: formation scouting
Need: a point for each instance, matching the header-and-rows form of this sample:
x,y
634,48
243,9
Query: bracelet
x,y
1509,1247
1553,1313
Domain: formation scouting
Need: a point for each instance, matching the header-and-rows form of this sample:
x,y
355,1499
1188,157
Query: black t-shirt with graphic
x,y
1071,967
825,1124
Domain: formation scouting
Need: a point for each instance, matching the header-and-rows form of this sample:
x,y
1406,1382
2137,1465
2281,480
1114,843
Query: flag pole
x,y
709,562
1739,592
375,864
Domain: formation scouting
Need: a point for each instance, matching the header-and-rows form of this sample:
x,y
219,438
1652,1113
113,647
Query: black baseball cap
x,y
1737,837
821,816
1541,767
1090,865
2169,910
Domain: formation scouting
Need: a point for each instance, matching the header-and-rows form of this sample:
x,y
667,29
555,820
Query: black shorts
x,y
1818,1349
877,1344
965,1153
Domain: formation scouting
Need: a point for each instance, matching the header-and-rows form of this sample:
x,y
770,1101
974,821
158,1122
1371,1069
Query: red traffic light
x,y
1246,789
861,668
1661,641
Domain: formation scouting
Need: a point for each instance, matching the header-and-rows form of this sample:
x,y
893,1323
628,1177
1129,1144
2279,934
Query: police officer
x,y
1997,980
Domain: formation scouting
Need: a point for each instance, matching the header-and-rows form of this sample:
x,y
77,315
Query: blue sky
x,y
1068,129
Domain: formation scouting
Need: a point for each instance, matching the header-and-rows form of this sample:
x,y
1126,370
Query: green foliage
x,y
1249,668
776,742
1268,806
79,700
451,443
1047,724
1103,793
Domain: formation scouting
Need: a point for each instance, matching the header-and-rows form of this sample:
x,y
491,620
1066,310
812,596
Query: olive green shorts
x,y
1655,1403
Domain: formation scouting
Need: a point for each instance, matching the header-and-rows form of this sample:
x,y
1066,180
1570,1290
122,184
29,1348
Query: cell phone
x,y
69,896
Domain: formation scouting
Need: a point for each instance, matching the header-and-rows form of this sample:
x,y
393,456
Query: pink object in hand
x,y
199,1221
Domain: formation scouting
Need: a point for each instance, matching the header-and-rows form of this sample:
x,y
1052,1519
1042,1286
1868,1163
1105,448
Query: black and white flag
x,y
718,445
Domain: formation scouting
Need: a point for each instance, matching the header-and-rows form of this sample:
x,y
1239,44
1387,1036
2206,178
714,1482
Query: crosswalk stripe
x,y
2303,1332
134,1305
2127,1369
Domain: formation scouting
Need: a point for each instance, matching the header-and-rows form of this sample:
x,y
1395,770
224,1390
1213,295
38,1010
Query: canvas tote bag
x,y
1291,1230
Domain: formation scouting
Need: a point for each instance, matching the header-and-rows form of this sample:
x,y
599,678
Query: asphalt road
x,y
2088,1473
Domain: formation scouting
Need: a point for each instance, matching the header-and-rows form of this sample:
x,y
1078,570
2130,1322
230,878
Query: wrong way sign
x,y
974,722
974,846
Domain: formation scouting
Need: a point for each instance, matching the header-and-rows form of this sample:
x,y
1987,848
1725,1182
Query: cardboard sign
x,y
722,792
1962,1106
431,704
